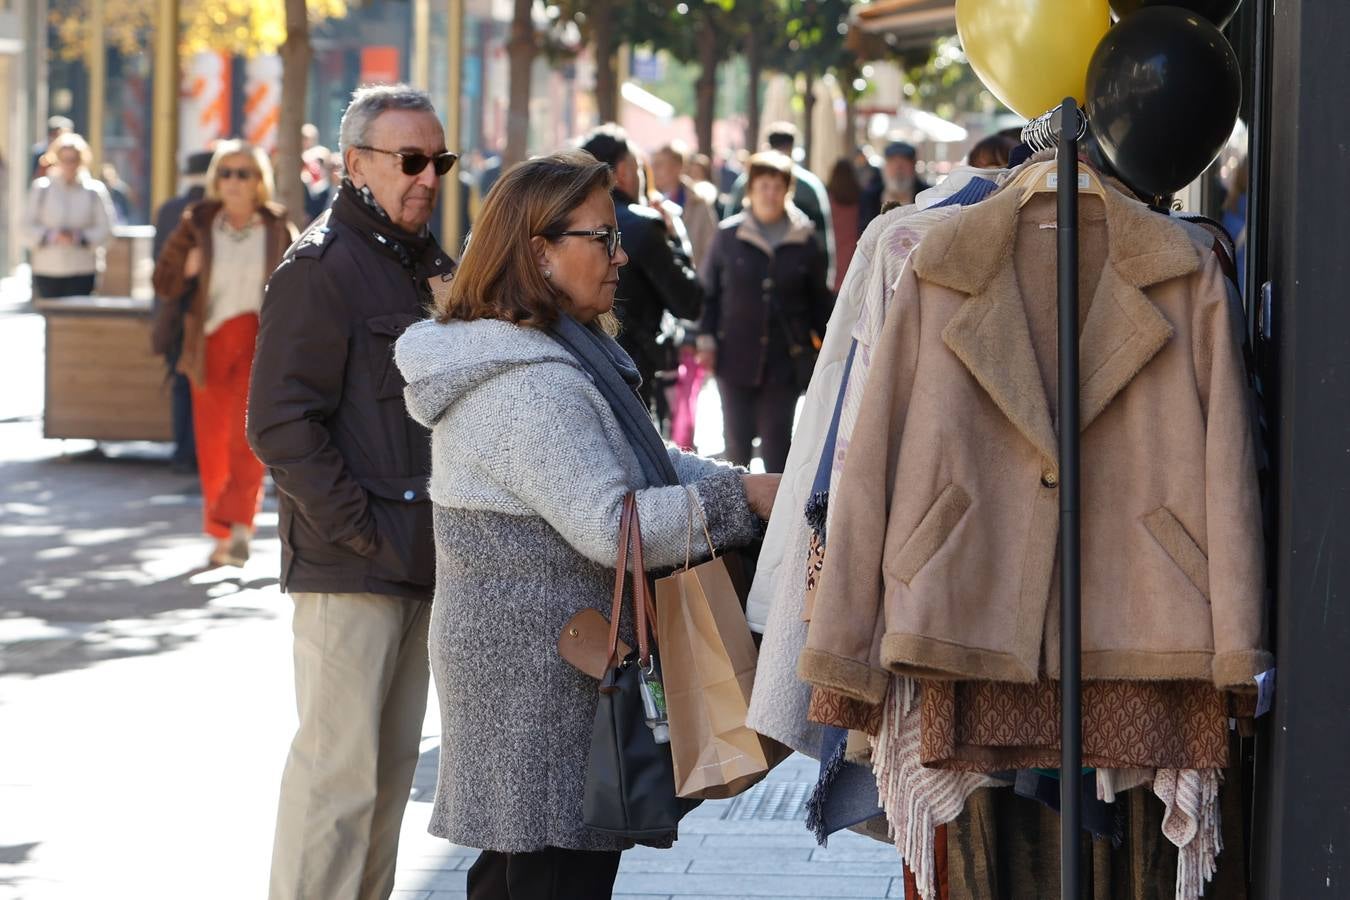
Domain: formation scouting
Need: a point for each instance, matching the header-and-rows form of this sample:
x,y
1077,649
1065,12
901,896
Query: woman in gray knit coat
x,y
537,435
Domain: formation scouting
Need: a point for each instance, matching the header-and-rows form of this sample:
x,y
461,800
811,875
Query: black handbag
x,y
630,779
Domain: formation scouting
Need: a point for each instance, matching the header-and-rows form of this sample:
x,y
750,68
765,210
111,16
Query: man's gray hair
x,y
367,104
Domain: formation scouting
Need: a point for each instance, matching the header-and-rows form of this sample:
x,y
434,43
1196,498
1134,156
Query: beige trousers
x,y
361,692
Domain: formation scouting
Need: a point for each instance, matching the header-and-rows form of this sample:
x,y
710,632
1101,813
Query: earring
x,y
548,273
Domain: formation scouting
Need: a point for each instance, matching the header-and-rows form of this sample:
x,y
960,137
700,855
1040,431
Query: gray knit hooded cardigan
x,y
529,472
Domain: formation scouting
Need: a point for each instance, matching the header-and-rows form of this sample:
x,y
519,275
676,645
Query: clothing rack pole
x,y
1066,126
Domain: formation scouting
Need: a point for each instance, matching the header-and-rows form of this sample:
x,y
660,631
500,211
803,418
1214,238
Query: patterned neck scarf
x,y
365,212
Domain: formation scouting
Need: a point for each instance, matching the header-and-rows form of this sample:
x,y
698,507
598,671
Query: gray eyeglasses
x,y
610,235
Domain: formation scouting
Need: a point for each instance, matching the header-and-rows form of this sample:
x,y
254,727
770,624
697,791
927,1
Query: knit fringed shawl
x,y
916,799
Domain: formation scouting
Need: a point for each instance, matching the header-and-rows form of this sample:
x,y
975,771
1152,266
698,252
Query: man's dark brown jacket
x,y
326,413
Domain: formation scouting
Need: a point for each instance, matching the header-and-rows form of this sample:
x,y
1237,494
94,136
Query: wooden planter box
x,y
127,266
102,381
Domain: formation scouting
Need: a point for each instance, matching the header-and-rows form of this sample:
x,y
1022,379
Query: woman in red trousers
x,y
212,272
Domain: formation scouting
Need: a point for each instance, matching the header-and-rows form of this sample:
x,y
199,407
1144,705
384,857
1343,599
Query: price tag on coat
x,y
1084,180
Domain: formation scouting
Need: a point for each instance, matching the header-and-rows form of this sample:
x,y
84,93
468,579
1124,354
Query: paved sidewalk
x,y
146,706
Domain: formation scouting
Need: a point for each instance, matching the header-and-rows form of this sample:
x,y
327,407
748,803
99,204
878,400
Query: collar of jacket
x,y
973,253
800,230
352,210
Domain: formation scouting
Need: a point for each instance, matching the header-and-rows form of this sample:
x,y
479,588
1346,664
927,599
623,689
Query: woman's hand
x,y
760,491
192,266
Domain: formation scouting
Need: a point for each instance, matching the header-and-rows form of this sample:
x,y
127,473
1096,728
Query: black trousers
x,y
48,286
184,439
765,412
553,873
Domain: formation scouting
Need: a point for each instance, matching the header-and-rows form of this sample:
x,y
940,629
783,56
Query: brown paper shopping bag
x,y
708,662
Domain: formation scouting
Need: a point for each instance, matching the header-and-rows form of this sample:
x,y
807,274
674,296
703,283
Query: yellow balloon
x,y
1031,54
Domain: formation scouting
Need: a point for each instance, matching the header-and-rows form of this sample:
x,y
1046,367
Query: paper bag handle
x,y
689,534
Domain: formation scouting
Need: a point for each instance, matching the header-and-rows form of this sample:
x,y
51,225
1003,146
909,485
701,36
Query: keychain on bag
x,y
654,702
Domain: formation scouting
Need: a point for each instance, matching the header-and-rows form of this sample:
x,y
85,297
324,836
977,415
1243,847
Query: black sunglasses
x,y
415,163
241,174
610,235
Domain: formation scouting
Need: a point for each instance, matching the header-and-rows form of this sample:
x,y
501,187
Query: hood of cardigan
x,y
443,363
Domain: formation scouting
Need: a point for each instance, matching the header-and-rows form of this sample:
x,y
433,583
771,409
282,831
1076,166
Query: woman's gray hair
x,y
367,104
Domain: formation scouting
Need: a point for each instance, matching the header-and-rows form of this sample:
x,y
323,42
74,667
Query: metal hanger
x,y
1042,177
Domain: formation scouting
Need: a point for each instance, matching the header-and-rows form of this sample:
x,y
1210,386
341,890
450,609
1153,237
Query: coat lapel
x,y
973,253
1124,329
990,335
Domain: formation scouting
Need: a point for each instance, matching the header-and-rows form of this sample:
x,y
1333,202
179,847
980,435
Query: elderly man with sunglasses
x,y
326,416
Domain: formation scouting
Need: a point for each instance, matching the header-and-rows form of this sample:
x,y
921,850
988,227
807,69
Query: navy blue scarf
x,y
617,379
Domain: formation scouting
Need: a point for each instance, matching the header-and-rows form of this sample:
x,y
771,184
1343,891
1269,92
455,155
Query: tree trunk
x,y
706,88
754,60
850,124
809,132
602,44
521,50
295,58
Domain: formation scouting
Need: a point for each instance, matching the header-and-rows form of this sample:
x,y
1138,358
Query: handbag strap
x,y
630,536
620,571
642,598
689,534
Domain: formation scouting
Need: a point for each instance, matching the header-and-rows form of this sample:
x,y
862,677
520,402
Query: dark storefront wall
x,y
1302,847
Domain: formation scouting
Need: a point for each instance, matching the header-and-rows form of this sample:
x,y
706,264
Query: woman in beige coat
x,y
69,218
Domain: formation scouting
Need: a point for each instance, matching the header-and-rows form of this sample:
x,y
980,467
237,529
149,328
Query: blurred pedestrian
x,y
1235,217
731,169
120,194
899,171
845,204
699,168
326,415
320,186
56,126
696,200
872,184
992,152
659,277
490,172
537,439
167,336
767,306
312,154
227,244
808,193
697,204
69,217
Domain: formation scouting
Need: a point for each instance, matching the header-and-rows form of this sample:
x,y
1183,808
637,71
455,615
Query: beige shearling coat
x,y
942,559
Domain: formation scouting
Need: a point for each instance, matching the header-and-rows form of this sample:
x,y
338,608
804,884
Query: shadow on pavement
x,y
14,855
103,557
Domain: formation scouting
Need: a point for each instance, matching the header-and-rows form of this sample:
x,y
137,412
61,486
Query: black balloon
x,y
1217,11
1162,95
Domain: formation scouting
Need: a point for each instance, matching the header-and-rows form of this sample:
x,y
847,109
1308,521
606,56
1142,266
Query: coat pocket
x,y
385,330
1177,543
402,511
937,525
